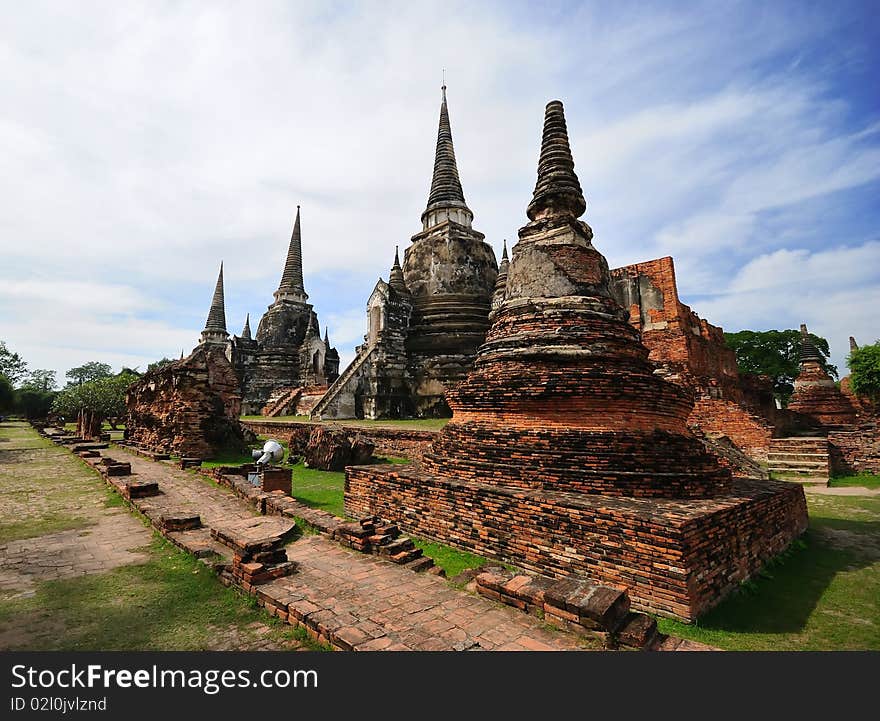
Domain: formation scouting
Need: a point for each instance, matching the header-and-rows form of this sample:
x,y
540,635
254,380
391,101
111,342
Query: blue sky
x,y
143,143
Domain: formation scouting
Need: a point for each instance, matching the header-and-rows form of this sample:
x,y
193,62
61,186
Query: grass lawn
x,y
825,594
172,602
864,480
418,424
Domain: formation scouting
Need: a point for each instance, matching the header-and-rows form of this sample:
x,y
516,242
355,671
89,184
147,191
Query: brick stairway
x,y
800,458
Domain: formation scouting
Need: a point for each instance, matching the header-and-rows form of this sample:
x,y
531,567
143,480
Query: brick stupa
x,y
566,453
816,395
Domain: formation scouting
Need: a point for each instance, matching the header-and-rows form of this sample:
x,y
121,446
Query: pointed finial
x,y
446,189
291,285
504,253
181,354
246,331
853,346
803,330
443,87
327,335
558,190
215,326
395,278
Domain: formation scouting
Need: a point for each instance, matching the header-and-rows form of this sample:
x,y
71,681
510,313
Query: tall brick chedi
x,y
816,396
566,453
287,351
426,323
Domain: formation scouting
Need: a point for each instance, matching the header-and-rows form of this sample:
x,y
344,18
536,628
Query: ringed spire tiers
x,y
291,286
246,331
558,190
446,199
215,326
809,352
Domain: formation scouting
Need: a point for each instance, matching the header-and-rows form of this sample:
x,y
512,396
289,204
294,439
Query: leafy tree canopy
x,y
104,396
11,364
41,380
33,402
6,394
774,353
864,365
155,365
88,372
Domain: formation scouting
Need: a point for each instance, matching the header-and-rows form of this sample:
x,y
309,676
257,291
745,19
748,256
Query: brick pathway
x,y
367,602
30,471
110,543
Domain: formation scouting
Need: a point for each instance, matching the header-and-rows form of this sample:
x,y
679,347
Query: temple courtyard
x,y
84,570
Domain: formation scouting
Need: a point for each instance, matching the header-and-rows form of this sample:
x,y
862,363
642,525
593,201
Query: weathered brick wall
x,y
675,557
855,450
678,338
396,442
189,407
719,416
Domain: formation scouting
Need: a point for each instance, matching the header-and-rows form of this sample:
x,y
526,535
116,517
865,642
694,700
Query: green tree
x,y
864,366
7,395
41,379
104,397
11,364
33,402
88,372
774,353
155,365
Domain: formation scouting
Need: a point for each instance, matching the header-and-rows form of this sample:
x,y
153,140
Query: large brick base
x,y
675,557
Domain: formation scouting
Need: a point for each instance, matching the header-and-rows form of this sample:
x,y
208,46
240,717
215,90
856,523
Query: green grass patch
x,y
172,602
450,559
822,595
42,526
319,489
864,480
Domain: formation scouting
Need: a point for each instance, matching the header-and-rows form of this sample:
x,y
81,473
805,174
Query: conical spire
x,y
215,326
853,346
446,193
327,336
246,331
291,287
501,280
809,352
558,190
395,278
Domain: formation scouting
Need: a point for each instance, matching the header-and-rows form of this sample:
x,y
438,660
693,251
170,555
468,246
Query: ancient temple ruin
x,y
426,323
566,453
287,358
816,396
189,407
690,351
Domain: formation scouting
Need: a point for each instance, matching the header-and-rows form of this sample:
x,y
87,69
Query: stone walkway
x,y
112,542
364,602
38,479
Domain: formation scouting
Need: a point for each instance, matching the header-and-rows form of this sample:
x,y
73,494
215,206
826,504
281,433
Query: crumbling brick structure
x,y
189,407
816,396
692,352
567,454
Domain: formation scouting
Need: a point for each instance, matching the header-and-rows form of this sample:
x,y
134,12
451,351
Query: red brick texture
x,y
568,454
817,397
676,557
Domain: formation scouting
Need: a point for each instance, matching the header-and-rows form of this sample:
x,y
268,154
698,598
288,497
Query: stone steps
x,y
800,459
372,535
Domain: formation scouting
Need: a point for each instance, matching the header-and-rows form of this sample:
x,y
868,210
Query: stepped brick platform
x,y
567,454
800,458
372,535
